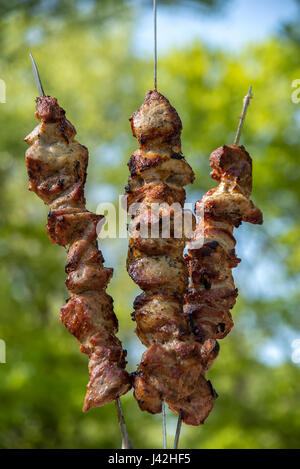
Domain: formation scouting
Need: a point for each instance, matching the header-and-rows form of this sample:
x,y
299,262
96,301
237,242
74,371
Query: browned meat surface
x,y
198,405
211,255
172,367
56,165
212,293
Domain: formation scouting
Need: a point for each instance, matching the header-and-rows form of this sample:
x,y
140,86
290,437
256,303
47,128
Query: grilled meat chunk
x,y
211,255
57,165
173,365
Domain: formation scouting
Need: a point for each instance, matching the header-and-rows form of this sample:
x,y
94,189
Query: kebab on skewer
x,y
159,172
57,165
173,366
212,293
211,252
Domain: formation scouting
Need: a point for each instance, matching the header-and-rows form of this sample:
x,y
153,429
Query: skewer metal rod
x,y
178,429
155,42
246,103
164,426
37,76
126,442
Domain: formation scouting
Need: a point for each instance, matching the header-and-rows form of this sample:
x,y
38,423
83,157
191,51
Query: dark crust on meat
x,y
212,294
232,162
48,110
211,257
141,163
172,365
57,174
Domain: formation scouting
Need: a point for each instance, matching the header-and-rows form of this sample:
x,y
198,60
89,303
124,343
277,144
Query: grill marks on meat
x,y
56,165
172,366
211,257
212,293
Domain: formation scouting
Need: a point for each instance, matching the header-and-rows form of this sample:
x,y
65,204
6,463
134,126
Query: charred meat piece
x,y
57,165
211,255
173,365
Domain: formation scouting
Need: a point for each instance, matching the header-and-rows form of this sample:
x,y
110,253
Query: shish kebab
x,y
174,364
173,367
211,293
158,172
57,165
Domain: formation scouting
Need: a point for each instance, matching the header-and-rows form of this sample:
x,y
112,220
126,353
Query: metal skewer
x,y
155,42
126,443
164,426
37,76
246,103
163,410
178,429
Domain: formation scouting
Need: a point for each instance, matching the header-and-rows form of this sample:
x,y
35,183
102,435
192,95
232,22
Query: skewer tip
x,y
246,102
36,76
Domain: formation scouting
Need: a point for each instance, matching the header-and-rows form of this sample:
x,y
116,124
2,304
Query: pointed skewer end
x,y
37,76
246,102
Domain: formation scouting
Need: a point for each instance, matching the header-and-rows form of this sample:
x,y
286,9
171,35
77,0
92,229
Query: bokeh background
x,y
96,57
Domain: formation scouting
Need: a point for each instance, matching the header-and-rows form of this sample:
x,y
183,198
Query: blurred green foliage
x,y
100,82
67,8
